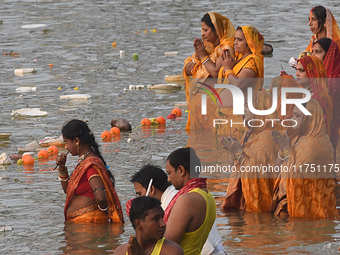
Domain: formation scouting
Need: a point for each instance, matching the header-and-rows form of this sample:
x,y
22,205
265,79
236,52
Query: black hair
x,y
207,20
78,128
149,171
185,157
324,43
320,14
140,206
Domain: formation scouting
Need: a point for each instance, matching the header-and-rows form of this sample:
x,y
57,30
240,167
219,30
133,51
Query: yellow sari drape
x,y
332,31
226,32
252,191
253,61
308,194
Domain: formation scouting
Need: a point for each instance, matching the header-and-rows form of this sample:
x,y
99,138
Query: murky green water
x,y
78,42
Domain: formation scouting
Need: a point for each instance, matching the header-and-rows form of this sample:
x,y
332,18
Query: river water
x,y
77,40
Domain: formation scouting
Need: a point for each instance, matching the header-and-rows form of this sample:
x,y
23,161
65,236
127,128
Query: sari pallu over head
x,y
317,76
332,30
255,43
310,194
226,32
332,66
253,190
285,81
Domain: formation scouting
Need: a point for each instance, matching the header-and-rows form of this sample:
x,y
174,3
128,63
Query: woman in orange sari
x,y
311,75
252,190
322,24
245,70
218,34
91,196
328,51
306,191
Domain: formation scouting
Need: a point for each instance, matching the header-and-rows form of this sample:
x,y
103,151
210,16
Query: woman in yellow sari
x,y
306,192
218,34
322,24
252,190
245,70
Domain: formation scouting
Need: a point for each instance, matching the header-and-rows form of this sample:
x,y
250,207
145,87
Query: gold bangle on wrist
x,y
204,59
227,72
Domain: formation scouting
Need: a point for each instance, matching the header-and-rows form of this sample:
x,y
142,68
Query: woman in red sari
x,y
328,51
323,25
91,196
311,75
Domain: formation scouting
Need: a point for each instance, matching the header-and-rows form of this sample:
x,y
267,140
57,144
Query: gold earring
x,y
77,147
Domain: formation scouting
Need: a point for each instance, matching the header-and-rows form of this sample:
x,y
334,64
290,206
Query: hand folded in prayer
x,y
133,247
228,61
230,144
283,141
200,48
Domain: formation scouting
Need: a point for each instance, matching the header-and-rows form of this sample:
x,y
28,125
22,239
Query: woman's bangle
x,y
227,72
103,210
63,179
286,153
100,188
62,172
205,61
278,155
286,158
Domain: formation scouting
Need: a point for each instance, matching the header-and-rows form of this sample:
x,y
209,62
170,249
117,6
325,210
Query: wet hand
x,y
133,247
283,141
61,160
230,144
228,61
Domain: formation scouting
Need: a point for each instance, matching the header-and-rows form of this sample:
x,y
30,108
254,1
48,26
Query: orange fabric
x,y
316,72
332,66
285,81
226,32
88,214
332,31
254,61
253,191
308,197
115,211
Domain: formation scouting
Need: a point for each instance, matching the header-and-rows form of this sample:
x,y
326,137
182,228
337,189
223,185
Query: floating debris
x,y
25,71
5,228
25,89
29,112
75,96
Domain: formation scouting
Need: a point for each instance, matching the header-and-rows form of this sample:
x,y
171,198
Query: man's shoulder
x,y
170,247
121,250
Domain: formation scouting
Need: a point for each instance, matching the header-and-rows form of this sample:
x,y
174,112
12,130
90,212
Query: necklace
x,y
243,57
153,246
82,157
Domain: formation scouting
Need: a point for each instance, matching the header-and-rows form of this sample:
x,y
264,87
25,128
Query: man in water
x,y
192,212
152,179
146,216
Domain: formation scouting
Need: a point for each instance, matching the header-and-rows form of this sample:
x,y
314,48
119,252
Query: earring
x,y
77,148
